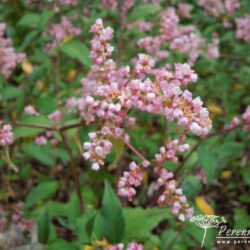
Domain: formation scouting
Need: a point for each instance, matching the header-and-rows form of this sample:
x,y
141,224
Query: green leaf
x,y
77,50
241,219
168,238
208,161
43,154
57,209
112,219
73,208
143,11
245,172
61,245
140,222
191,186
231,148
41,192
30,20
28,39
11,93
43,225
85,224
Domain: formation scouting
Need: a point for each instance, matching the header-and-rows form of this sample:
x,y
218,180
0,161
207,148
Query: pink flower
x,y
30,110
246,118
55,116
130,180
243,27
8,58
6,134
135,246
61,31
183,9
172,194
41,140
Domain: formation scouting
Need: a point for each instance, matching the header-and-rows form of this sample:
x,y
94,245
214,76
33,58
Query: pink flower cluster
x,y
57,4
56,116
131,246
110,4
6,134
60,32
124,7
115,91
97,149
100,48
243,27
181,38
169,151
140,25
218,7
172,194
8,57
130,180
47,137
30,110
184,10
246,118
41,140
16,218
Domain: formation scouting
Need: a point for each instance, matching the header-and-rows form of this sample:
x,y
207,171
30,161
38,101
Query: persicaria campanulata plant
x,y
149,89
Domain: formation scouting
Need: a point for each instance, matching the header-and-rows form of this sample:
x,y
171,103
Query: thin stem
x,y
135,151
73,170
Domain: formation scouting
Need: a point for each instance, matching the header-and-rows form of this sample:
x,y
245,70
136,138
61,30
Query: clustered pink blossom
x,y
30,110
57,4
97,148
8,57
170,150
130,180
124,7
60,32
17,220
110,4
6,134
115,91
45,138
184,10
56,116
152,1
140,25
131,246
134,246
181,38
213,51
219,7
243,27
41,140
172,195
246,118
